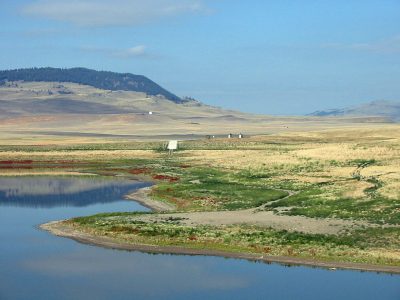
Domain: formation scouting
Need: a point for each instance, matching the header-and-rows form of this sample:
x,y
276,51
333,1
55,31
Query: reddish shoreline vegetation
x,y
328,198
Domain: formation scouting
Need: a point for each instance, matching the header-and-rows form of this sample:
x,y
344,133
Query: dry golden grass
x,y
315,157
391,190
241,159
305,178
384,253
13,173
355,189
303,158
79,155
344,152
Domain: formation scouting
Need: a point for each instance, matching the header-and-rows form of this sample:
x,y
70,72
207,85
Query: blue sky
x,y
274,57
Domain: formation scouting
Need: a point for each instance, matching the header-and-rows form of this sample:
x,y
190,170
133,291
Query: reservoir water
x,y
37,265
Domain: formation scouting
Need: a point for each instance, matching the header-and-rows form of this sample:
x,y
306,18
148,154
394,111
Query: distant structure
x,y
172,145
229,136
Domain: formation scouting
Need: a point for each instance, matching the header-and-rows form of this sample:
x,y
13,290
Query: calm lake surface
x,y
37,265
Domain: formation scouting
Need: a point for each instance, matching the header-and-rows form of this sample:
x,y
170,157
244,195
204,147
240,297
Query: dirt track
x,y
248,216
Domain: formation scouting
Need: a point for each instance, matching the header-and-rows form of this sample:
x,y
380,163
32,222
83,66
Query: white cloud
x,y
111,12
387,46
139,51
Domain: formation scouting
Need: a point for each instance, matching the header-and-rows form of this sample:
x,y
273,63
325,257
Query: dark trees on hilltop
x,y
99,79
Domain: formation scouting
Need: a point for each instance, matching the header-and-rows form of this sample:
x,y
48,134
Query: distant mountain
x,y
381,108
99,79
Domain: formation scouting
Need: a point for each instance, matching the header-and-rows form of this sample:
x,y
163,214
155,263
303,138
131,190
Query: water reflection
x,y
37,265
48,192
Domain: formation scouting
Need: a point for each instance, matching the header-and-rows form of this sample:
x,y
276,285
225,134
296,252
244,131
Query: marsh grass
x,y
346,174
362,245
212,189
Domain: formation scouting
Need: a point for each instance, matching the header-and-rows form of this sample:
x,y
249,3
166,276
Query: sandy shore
x,y
267,219
60,228
142,196
246,216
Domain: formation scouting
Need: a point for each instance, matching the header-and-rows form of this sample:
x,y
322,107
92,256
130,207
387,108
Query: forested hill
x,y
99,79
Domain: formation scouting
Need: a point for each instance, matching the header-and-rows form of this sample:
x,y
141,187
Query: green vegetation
x,y
362,245
205,189
312,202
197,188
319,175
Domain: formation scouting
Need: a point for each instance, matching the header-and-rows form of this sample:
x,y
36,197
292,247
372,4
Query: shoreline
x,y
59,228
142,197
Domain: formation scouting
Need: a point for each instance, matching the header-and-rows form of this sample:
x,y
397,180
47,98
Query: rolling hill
x,y
381,108
100,79
80,105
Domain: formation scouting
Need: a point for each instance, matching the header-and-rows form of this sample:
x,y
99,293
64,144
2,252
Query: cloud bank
x,y
112,12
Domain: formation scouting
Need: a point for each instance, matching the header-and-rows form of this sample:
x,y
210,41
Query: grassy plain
x,y
349,174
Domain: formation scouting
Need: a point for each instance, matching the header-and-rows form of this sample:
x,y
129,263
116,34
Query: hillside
x,y
382,108
69,109
63,112
99,79
24,98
